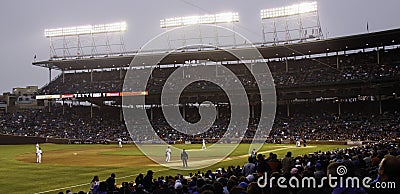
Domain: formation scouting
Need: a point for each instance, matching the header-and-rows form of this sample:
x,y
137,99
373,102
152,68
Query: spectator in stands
x,y
389,171
139,179
139,190
389,168
249,167
287,164
148,180
111,183
101,189
94,183
124,188
262,165
274,163
347,189
319,173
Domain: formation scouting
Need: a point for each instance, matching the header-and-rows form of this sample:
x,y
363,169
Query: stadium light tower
x,y
229,18
281,24
205,19
71,37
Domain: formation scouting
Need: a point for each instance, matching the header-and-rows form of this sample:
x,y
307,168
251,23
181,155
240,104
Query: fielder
x,y
168,154
204,145
39,155
298,143
119,142
37,146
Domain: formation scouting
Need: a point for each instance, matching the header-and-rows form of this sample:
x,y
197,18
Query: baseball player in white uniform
x,y
37,146
204,145
39,155
298,143
119,142
168,154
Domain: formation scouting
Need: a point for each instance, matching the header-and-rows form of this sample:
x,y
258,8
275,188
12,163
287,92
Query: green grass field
x,y
73,166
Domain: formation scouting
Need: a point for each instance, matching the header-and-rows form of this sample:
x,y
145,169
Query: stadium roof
x,y
352,42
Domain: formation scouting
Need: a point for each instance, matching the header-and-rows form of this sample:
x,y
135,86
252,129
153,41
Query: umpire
x,y
184,158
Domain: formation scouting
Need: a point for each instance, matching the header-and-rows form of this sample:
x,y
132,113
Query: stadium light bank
x,y
295,9
228,17
86,29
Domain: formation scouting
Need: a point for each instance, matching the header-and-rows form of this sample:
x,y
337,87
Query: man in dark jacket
x,y
148,180
111,182
287,163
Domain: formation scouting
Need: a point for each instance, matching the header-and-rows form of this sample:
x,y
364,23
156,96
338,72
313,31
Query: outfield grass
x,y
75,165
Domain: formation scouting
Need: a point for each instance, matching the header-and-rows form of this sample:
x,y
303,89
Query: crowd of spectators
x,y
329,126
376,163
83,82
76,124
356,67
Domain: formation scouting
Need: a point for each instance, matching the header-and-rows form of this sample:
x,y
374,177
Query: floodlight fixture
x,y
229,17
295,9
87,29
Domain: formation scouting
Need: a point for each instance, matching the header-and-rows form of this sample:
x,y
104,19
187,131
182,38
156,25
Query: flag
x,y
34,57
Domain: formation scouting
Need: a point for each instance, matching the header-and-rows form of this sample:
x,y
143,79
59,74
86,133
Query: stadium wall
x,y
13,140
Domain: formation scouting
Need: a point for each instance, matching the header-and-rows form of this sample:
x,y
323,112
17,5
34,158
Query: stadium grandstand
x,y
348,83
336,91
338,96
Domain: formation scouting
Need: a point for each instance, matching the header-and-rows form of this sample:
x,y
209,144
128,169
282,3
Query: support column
x,y
288,109
337,60
184,112
63,76
49,104
49,74
377,55
91,75
287,64
380,104
91,110
121,116
217,109
252,110
151,113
